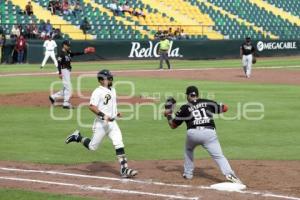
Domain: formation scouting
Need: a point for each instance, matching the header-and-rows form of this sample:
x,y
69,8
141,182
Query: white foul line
x,y
95,188
141,70
145,182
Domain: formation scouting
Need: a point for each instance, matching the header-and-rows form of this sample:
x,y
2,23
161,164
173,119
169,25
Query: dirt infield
x,y
156,180
40,99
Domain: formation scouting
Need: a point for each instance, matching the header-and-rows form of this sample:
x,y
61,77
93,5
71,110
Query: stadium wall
x,y
189,49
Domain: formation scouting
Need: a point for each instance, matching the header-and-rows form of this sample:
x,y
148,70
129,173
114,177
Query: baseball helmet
x,y
192,91
66,42
105,74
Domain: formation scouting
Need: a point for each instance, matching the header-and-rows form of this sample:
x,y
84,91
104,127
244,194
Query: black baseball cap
x,y
248,38
66,42
192,90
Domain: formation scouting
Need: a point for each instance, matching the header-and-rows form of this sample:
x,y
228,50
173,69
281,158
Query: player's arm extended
x,y
76,54
87,50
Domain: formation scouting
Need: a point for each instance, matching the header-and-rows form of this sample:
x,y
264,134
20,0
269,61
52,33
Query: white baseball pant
x,y
66,92
247,64
102,128
46,57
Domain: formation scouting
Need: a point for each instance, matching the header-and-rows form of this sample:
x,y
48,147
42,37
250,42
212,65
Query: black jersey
x,y
247,49
198,113
64,59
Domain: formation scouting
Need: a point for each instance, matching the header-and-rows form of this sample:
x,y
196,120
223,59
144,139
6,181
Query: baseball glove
x,y
170,103
89,50
254,60
169,106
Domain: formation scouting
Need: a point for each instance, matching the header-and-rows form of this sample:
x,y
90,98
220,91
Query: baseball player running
x,y
247,52
201,130
64,70
103,104
49,51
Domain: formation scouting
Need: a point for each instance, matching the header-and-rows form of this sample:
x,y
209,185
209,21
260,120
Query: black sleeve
x,y
253,49
60,61
214,107
242,48
76,54
181,115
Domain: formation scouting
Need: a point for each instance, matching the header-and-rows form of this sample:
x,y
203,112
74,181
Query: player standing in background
x,y
103,104
64,71
247,52
201,130
164,46
49,51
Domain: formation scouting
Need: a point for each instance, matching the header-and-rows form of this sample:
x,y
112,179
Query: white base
x,y
227,186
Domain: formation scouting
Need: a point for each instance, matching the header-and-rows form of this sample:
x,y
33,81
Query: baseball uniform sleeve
x,y
214,107
59,62
45,44
95,98
181,115
76,54
253,49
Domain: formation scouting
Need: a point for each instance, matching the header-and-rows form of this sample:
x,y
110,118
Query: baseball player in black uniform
x,y
247,52
201,130
64,69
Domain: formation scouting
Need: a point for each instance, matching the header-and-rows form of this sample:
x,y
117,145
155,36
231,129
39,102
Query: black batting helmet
x,y
66,42
105,74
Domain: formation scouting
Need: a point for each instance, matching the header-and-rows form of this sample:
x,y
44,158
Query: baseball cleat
x,y
128,173
232,178
74,137
187,176
51,100
68,107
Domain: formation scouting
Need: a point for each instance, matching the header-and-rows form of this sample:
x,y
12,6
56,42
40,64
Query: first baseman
x,y
49,51
201,130
64,70
103,104
247,52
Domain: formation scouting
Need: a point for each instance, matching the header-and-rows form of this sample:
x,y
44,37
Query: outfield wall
x,y
188,49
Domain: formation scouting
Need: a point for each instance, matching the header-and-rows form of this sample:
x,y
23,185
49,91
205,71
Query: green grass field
x,y
30,134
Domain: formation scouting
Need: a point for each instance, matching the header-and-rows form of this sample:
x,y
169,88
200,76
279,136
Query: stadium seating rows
x,y
291,6
230,19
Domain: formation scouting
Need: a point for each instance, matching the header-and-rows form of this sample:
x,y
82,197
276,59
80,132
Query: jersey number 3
x,y
106,99
199,114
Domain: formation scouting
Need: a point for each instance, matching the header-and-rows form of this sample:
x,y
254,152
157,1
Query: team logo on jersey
x,y
106,99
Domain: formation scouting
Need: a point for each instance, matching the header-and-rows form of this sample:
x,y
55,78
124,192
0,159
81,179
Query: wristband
x,y
101,114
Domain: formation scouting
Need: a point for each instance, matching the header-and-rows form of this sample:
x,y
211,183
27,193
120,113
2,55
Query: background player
x,y
198,116
49,51
247,52
103,103
64,70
